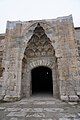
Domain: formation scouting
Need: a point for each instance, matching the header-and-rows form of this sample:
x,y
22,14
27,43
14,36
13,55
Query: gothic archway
x,y
39,52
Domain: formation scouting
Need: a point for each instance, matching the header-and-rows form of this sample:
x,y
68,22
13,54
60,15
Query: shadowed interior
x,y
42,80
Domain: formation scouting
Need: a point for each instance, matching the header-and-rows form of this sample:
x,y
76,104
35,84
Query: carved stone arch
x,y
26,75
38,52
43,62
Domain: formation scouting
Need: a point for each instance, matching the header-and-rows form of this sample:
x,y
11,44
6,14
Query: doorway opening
x,y
42,81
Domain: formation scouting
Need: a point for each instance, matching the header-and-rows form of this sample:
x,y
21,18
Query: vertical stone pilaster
x,y
67,61
11,75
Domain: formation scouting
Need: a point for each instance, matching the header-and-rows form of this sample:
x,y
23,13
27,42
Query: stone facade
x,y
54,44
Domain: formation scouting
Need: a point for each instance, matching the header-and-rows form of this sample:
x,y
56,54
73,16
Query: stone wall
x,y
77,38
2,43
61,34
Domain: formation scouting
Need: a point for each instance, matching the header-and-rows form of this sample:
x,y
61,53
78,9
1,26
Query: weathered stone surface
x,y
73,98
38,115
64,98
13,109
14,118
58,111
17,114
53,44
2,108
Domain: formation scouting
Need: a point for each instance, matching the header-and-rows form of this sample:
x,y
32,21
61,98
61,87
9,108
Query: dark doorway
x,y
42,80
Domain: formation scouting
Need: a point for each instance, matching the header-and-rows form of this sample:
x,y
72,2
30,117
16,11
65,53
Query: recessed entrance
x,y
42,80
39,65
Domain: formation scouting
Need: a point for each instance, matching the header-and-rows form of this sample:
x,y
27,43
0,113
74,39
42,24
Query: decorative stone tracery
x,y
39,45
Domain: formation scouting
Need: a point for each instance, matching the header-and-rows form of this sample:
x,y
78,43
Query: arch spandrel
x,y
28,32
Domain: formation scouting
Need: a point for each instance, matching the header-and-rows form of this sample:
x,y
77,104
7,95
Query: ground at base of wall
x,y
65,98
40,108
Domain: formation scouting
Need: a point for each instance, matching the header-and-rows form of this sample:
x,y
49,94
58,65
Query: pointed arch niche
x,y
39,52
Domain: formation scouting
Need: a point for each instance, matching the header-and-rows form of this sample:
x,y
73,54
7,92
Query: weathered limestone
x,y
50,43
2,43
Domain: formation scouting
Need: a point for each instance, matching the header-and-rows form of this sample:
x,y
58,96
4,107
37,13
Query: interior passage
x,y
42,80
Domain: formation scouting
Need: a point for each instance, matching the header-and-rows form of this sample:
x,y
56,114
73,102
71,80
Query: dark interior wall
x,y
42,80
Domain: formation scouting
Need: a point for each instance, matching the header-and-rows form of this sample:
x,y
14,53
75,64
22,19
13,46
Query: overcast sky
x,y
25,10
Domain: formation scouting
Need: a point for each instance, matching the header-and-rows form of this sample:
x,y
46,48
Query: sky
x,y
25,10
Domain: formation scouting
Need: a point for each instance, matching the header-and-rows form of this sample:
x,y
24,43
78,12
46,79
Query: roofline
x,y
2,36
76,28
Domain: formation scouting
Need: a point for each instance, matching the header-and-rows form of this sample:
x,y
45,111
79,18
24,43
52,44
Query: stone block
x,y
64,98
73,98
11,98
1,97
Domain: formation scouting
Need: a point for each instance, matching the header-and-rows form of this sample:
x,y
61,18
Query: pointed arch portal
x,y
39,66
